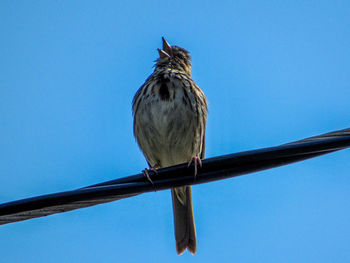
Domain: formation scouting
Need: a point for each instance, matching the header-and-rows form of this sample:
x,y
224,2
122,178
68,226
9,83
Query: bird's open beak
x,y
166,51
163,54
166,46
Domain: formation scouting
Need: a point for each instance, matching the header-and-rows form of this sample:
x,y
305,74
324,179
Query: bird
x,y
170,115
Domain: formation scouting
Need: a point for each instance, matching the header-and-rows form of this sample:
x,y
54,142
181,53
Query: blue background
x,y
273,72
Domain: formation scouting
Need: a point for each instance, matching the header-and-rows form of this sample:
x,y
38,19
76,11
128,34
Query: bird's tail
x,y
185,231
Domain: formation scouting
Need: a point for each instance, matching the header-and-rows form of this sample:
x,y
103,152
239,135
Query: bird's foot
x,y
196,160
145,172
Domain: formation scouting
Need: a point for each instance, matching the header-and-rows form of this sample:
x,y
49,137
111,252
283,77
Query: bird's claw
x,y
145,172
196,160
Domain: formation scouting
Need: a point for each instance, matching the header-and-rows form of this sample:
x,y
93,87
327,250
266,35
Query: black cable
x,y
213,169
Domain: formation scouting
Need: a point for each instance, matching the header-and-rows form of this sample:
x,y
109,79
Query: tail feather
x,y
185,231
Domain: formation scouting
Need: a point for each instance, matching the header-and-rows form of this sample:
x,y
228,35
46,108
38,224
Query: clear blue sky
x,y
273,72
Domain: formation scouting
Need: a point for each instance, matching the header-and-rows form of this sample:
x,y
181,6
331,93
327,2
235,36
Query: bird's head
x,y
174,57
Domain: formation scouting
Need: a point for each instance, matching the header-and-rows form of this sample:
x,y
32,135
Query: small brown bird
x,y
170,113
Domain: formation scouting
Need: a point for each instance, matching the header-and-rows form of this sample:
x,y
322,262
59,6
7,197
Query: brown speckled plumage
x,y
170,113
